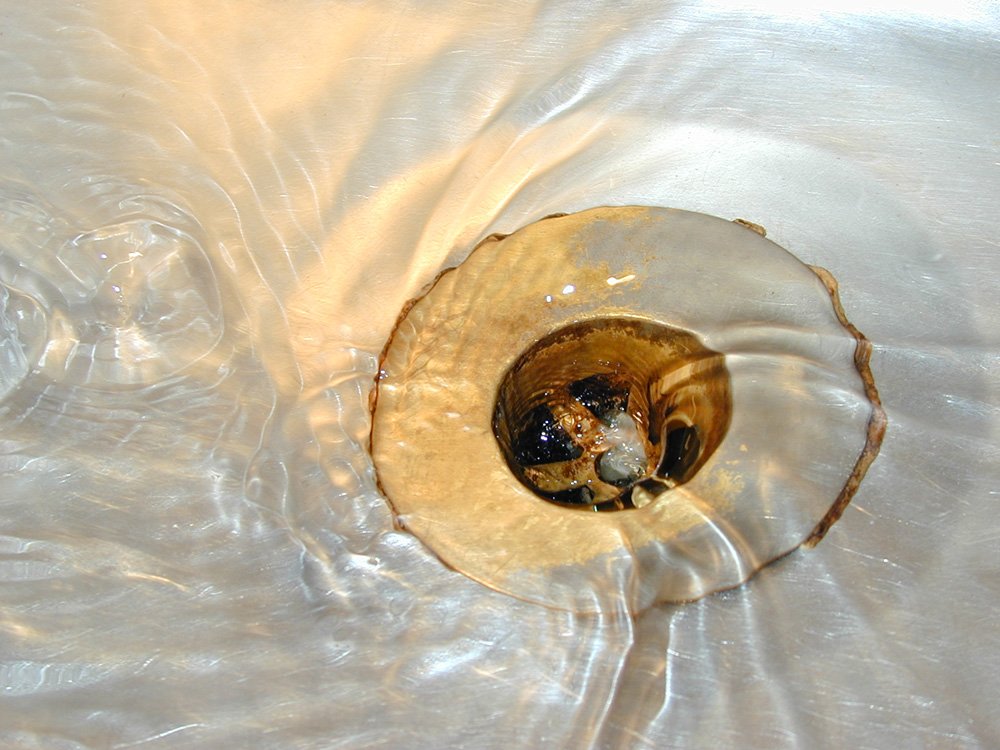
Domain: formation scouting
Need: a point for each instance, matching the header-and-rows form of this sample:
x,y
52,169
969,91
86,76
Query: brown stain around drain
x,y
877,422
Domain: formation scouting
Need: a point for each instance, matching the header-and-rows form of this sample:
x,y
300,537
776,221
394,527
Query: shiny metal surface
x,y
211,217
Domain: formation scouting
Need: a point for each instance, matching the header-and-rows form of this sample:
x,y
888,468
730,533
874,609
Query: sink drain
x,y
610,413
680,372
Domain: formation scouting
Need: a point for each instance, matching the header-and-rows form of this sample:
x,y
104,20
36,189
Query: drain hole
x,y
609,414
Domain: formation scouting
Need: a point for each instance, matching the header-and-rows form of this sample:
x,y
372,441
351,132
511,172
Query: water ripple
x,y
137,300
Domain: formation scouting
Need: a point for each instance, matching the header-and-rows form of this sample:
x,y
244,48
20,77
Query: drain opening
x,y
608,414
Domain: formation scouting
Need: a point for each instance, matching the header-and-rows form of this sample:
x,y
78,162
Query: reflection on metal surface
x,y
524,382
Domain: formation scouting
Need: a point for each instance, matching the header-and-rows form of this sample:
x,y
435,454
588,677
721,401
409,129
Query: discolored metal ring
x,y
805,424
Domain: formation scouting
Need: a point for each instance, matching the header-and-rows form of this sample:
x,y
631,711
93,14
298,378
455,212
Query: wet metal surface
x,y
210,217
